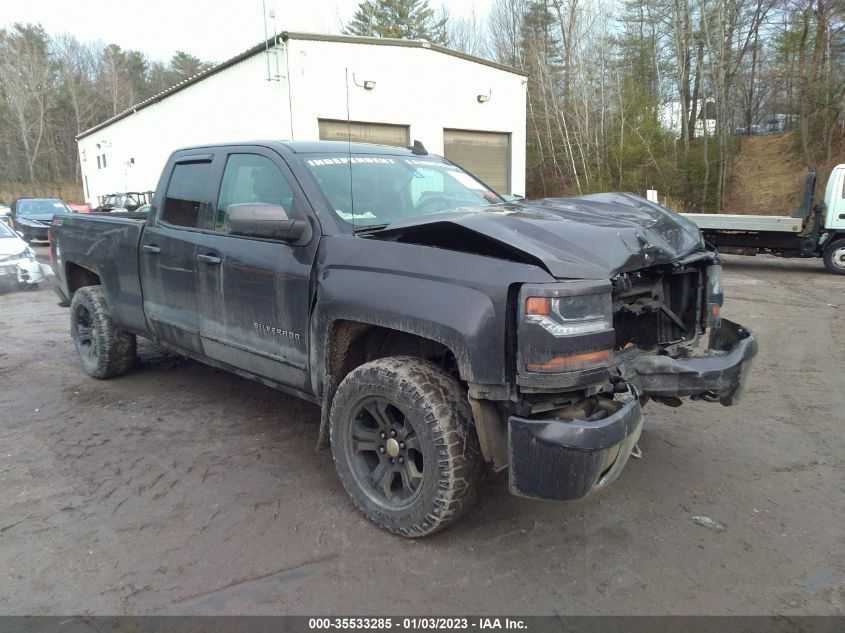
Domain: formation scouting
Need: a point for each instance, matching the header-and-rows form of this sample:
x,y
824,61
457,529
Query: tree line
x,y
638,94
622,94
657,94
52,87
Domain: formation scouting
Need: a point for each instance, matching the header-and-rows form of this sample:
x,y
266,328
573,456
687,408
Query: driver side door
x,y
254,293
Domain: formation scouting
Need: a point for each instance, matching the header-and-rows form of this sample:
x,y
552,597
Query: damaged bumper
x,y
22,272
562,459
720,375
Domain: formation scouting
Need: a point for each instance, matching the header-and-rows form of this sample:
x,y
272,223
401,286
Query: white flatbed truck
x,y
814,230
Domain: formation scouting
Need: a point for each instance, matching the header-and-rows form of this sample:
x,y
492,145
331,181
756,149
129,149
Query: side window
x,y
184,194
251,178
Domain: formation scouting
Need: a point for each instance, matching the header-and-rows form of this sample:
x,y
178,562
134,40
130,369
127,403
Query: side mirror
x,y
258,219
20,234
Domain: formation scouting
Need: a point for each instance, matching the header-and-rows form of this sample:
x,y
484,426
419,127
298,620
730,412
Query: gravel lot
x,y
182,489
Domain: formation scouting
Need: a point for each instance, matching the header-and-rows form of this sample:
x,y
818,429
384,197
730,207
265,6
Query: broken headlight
x,y
24,254
566,326
715,296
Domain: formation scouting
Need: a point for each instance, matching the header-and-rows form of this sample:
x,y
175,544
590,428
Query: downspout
x,y
284,38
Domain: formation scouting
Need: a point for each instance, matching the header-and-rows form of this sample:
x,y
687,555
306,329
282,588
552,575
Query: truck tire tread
x,y
831,248
443,406
116,348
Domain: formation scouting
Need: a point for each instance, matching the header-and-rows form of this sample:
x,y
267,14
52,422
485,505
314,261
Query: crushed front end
x,y
591,353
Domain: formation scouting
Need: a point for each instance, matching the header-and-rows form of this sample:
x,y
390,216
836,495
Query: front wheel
x,y
402,444
834,257
104,350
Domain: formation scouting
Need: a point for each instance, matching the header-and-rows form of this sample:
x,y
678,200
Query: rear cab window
x,y
185,193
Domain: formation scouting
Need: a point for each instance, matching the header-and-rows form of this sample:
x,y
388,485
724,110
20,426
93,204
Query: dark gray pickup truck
x,y
439,326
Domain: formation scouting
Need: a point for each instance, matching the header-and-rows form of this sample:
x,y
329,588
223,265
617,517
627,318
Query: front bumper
x,y
22,272
562,459
721,374
33,232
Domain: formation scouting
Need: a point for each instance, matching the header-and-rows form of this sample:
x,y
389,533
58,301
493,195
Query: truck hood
x,y
584,237
11,246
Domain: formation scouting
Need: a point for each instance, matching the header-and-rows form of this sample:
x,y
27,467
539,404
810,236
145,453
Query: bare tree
x,y
26,84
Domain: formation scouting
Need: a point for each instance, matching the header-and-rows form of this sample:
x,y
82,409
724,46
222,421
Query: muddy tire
x,y
104,351
834,257
403,446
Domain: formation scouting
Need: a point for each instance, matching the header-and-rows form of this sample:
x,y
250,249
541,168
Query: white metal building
x,y
298,86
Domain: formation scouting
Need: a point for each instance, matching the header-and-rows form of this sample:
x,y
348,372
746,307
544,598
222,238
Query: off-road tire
x,y
436,407
108,352
836,247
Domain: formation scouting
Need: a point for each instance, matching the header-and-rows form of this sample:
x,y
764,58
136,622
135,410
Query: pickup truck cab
x,y
440,327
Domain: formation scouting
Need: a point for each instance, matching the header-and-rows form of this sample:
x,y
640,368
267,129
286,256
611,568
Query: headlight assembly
x,y
566,326
715,296
567,316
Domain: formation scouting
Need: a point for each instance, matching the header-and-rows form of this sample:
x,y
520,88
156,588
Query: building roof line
x,y
391,41
284,37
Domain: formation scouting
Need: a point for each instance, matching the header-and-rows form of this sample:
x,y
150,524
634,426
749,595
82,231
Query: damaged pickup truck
x,y
440,327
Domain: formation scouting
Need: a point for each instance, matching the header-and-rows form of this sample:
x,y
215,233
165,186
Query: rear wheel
x,y
104,350
402,444
834,257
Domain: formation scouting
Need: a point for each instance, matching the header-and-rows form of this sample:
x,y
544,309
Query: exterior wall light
x,y
369,85
484,98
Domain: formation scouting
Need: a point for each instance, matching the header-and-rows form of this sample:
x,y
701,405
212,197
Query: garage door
x,y
485,154
356,131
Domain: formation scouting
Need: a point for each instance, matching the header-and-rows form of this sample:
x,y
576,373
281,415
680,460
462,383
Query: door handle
x,y
150,248
211,260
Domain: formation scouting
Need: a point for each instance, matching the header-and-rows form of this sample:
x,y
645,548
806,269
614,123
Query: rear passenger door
x,y
254,294
167,255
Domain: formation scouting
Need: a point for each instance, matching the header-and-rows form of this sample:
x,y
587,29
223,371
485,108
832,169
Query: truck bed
x,y
727,222
107,245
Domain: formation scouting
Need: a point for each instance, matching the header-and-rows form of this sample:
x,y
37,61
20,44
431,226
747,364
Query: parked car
x,y
31,217
79,208
122,202
18,266
438,326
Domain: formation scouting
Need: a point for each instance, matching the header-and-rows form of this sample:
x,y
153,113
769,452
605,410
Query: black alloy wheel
x,y
104,350
86,334
403,444
388,459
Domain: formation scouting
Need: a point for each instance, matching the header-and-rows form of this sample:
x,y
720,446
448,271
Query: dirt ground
x,y
181,489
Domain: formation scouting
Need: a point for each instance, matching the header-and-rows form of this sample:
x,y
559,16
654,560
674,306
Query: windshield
x,y
5,231
42,206
386,188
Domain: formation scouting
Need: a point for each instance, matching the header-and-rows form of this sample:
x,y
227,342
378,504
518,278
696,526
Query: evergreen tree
x,y
402,19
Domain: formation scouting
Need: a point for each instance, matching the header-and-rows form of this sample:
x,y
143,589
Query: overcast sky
x,y
212,30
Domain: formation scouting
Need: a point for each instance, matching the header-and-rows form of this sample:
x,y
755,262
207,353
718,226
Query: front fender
x,y
461,319
459,300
